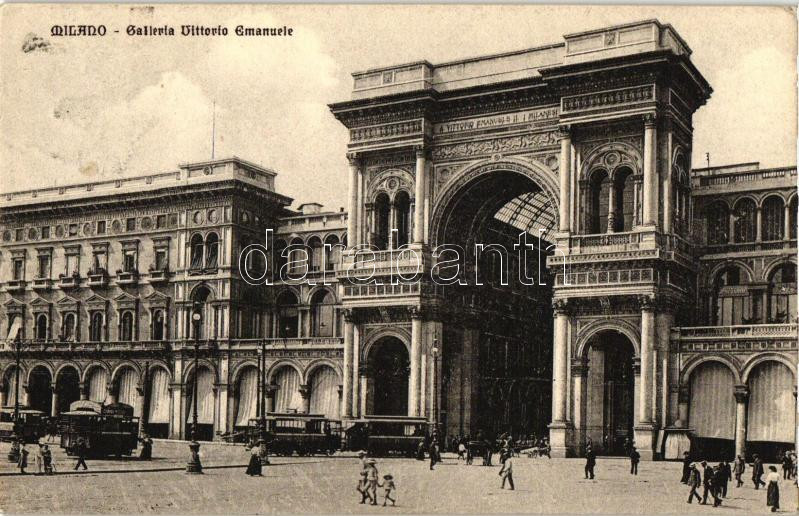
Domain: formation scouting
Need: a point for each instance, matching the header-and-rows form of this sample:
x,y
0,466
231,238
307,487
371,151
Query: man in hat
x,y
146,447
80,451
686,467
635,457
590,462
371,479
694,481
757,471
738,469
507,472
707,482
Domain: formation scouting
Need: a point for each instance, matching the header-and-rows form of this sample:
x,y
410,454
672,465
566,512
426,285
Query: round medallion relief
x,y
33,234
116,226
6,236
146,223
88,229
197,217
59,231
213,216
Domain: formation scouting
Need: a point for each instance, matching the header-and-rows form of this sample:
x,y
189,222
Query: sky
x,y
86,109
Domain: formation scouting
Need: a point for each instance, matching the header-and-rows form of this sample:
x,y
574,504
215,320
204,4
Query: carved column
x,y
565,177
612,207
420,181
579,372
741,393
113,391
786,234
650,171
54,404
348,363
352,206
647,362
559,429
360,206
141,401
356,370
83,387
684,398
731,236
416,361
759,224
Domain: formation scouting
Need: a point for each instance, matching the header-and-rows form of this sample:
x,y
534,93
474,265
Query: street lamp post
x,y
194,466
435,353
13,453
262,423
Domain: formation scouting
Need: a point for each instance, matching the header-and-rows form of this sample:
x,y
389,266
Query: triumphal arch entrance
x,y
516,254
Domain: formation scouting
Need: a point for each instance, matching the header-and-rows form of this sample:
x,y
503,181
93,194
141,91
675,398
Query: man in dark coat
x,y
757,471
590,462
433,452
694,481
707,481
686,467
80,451
726,476
716,484
635,457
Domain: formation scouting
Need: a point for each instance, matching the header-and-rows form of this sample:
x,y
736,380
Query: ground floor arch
x,y
159,402
96,381
712,410
246,397
40,393
323,385
67,388
288,397
387,378
206,399
771,409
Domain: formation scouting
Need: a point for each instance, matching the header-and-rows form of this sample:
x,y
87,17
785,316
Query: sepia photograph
x,y
409,259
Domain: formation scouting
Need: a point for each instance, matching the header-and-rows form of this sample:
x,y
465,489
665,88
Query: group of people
x,y
714,479
42,459
369,482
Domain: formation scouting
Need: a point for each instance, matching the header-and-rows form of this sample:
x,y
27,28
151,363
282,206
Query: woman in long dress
x,y
254,466
773,489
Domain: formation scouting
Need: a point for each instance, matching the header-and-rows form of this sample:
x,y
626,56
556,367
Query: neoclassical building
x,y
526,249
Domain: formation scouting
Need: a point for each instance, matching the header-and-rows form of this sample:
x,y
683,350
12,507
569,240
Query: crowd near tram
x,y
91,430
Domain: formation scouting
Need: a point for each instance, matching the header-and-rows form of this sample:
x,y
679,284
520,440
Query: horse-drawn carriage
x,y
303,434
386,435
31,424
106,430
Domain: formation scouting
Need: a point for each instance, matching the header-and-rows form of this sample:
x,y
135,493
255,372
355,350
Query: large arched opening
x,y
711,413
40,395
771,411
67,387
387,378
610,387
508,341
205,403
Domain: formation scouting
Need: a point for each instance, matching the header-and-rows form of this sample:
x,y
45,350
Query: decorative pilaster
x,y
352,206
645,429
419,201
650,171
560,428
415,365
305,393
565,177
83,387
683,399
54,404
348,364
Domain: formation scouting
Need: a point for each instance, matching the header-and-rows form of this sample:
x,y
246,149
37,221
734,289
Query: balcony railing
x,y
406,261
743,338
69,281
277,343
15,285
159,275
36,345
98,278
617,277
726,332
747,247
401,289
42,283
127,277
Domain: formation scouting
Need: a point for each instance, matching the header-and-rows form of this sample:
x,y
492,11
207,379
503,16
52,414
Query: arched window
x,y
196,251
316,253
211,251
730,299
382,221
322,305
41,327
717,216
280,259
599,186
333,255
681,195
773,217
158,325
782,294
96,327
625,190
126,326
402,206
287,315
792,217
298,259
745,221
68,328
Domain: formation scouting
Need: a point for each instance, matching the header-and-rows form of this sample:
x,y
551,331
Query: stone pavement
x,y
327,485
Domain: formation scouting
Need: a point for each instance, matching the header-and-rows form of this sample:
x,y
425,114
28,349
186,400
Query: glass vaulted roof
x,y
530,212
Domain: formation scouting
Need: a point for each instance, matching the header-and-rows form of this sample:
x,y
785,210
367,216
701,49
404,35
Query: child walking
x,y
389,487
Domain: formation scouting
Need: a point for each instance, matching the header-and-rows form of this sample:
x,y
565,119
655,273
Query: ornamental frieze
x,y
498,145
406,128
603,99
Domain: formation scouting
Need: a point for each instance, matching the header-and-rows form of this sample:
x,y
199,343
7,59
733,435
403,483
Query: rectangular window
x,y
19,234
100,262
19,269
129,261
101,227
130,224
46,232
71,264
44,266
73,229
160,259
160,221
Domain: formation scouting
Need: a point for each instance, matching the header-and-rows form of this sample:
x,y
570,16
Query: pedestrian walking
x,y
715,485
22,462
773,489
723,478
254,466
47,459
433,451
507,473
787,465
738,469
80,450
420,451
590,462
388,488
37,459
461,451
694,481
635,457
686,467
757,471
707,482
371,480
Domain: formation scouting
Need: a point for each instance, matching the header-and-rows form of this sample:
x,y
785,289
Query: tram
x,y
106,430
32,424
303,434
387,435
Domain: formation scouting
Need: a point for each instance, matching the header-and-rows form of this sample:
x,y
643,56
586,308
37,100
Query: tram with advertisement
x,y
387,435
303,434
32,424
106,430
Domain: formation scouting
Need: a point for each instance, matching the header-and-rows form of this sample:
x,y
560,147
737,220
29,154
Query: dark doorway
x,y
389,370
619,385
40,395
68,388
